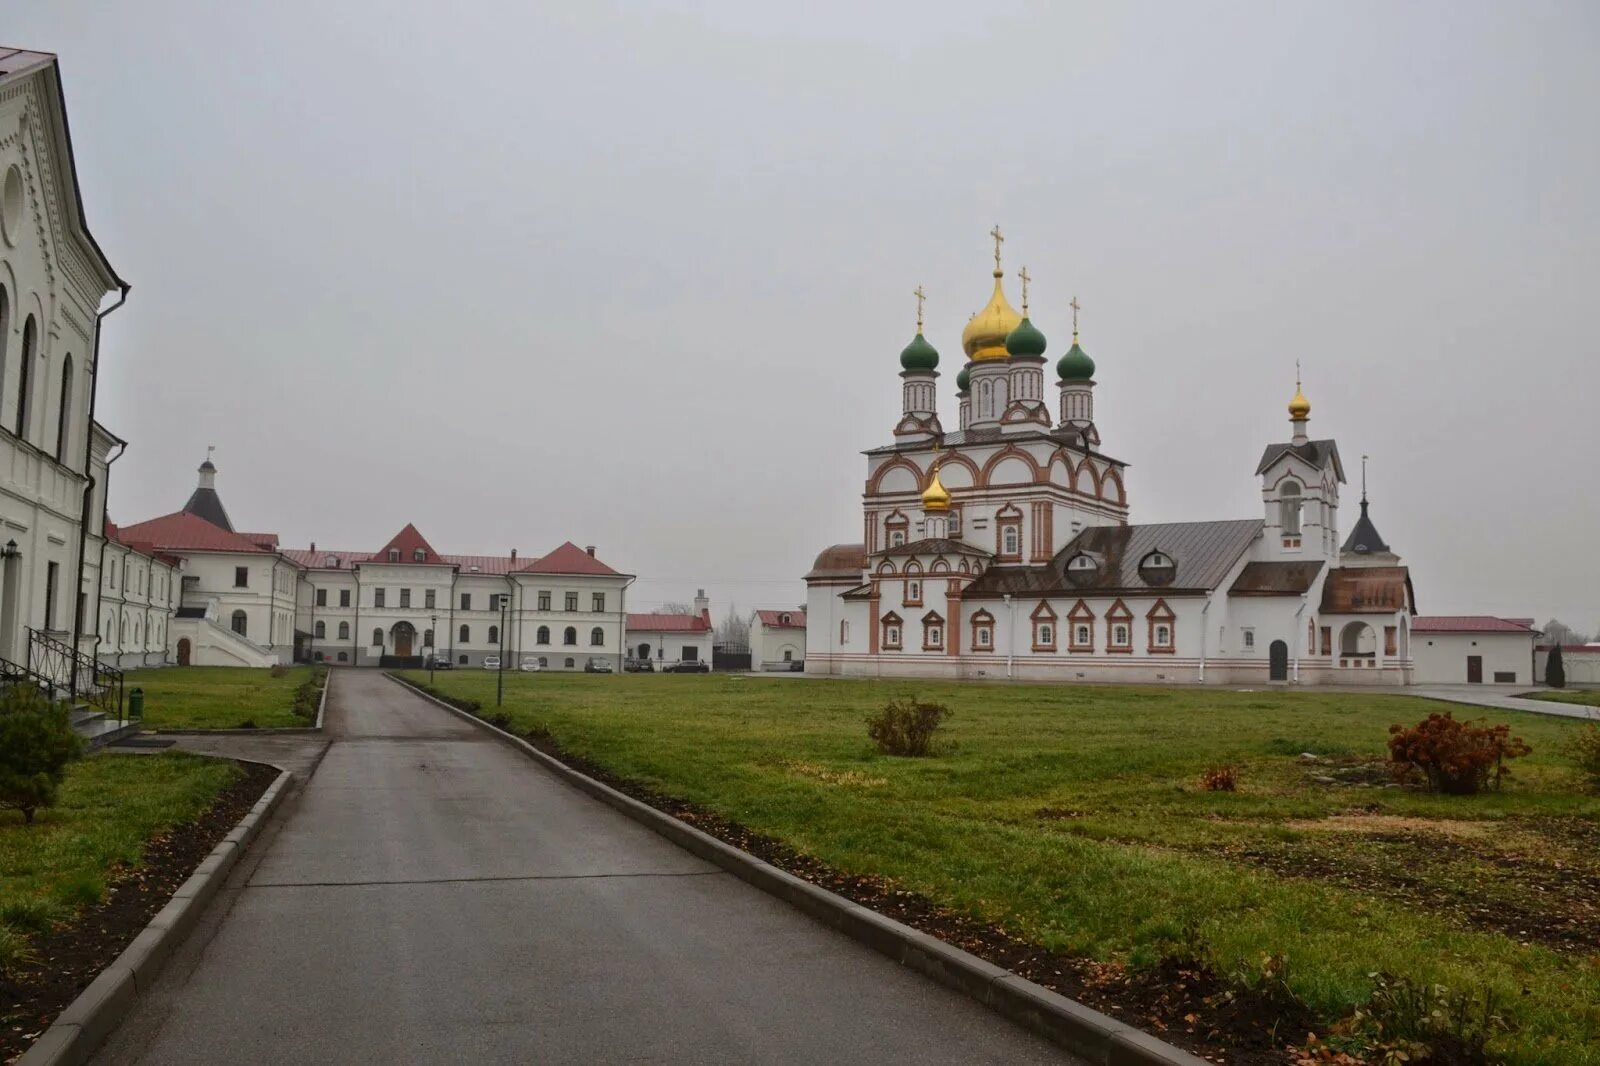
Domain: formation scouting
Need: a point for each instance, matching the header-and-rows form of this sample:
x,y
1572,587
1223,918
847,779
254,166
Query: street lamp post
x,y
433,652
500,675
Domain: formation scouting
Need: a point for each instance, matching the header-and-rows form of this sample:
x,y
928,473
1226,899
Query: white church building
x,y
1003,548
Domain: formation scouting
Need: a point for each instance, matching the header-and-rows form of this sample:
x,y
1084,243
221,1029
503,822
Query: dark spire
x,y
204,502
1364,538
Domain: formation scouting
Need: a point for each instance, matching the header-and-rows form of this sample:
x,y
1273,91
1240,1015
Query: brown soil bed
x,y
72,955
1183,1003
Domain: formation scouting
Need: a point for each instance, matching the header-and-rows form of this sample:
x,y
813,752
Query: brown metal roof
x,y
839,560
1367,590
1275,579
1203,553
935,546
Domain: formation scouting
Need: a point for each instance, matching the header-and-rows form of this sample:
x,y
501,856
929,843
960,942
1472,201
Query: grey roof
x,y
1289,578
1069,436
934,546
1204,552
1364,537
1315,452
205,503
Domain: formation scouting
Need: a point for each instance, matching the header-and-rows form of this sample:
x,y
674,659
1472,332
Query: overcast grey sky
x,y
638,275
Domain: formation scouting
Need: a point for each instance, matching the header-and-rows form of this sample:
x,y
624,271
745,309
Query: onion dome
x,y
1076,364
964,380
919,354
935,497
984,339
1026,340
1299,407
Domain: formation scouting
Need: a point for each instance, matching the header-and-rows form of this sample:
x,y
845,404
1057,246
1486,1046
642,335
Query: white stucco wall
x,y
1441,658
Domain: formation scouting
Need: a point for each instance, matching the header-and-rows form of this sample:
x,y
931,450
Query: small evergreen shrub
x,y
1220,779
1555,671
1417,1021
499,719
1584,748
1454,757
278,670
906,727
36,744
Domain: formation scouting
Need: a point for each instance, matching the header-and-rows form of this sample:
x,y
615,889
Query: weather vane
x,y
920,295
998,240
1023,274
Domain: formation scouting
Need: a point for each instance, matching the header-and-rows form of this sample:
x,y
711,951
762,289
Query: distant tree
x,y
1555,671
734,628
36,743
676,608
1558,632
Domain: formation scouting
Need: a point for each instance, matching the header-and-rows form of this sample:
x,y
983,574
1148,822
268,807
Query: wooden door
x,y
1474,669
1278,661
402,642
183,652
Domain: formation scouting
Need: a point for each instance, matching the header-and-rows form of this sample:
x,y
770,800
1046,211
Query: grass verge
x,y
1073,818
224,697
1583,697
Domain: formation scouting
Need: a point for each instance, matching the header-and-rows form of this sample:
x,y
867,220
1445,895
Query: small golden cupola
x,y
935,498
1299,407
984,339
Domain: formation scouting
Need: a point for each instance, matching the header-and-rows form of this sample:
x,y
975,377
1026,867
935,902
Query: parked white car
x,y
491,662
532,665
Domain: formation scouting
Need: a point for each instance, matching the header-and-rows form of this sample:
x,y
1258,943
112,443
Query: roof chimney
x,y
313,547
590,550
513,555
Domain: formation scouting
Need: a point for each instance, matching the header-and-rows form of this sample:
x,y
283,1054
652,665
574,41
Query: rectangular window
x,y
1249,637
1119,636
428,597
891,636
495,600
322,597
597,603
1327,640
690,654
1082,637
466,601
572,601
405,597
52,581
1163,635
378,597
1390,636
913,593
983,638
344,597
544,599
241,577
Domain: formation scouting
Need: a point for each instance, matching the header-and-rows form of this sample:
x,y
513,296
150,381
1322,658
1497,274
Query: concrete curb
x,y
1085,1032
86,1022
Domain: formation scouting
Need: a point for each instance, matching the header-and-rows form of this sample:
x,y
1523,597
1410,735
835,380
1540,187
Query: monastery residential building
x,y
245,600
1003,547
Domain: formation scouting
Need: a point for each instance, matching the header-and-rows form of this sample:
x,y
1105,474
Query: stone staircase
x,y
97,730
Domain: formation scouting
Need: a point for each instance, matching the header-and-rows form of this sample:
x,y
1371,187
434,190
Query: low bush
x,y
36,744
498,719
247,723
1220,779
1583,746
1454,757
906,727
308,697
1408,1020
278,670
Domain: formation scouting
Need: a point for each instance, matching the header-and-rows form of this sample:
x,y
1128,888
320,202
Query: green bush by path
x,y
36,744
222,697
107,807
1073,816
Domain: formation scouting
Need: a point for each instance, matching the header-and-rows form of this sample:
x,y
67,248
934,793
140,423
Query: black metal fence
x,y
67,673
730,656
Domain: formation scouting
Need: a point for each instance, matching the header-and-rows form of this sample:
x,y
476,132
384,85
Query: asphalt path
x,y
430,895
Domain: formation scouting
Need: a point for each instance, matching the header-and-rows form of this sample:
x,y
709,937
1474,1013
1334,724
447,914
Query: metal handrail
x,y
60,665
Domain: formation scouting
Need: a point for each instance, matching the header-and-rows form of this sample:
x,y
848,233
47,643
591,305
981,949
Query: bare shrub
x,y
1220,779
906,727
1456,758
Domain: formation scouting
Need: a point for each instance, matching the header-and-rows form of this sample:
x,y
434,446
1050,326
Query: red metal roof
x,y
1467,623
669,623
568,559
774,619
182,531
408,542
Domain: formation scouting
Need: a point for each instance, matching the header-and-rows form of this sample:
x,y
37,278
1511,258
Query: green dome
x,y
1025,340
1075,365
919,354
963,380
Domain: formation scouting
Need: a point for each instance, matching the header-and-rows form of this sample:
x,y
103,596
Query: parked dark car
x,y
689,666
597,666
442,662
639,666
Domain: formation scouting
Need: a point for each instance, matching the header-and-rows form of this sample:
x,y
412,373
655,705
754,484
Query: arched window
x,y
465,636
570,664
241,623
344,656
29,340
1011,543
494,634
570,636
377,638
321,631
597,637
64,418
543,636
344,630
1289,503
5,326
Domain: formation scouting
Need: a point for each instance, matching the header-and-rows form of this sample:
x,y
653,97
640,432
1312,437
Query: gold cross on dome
x,y
998,240
1023,274
920,295
1076,306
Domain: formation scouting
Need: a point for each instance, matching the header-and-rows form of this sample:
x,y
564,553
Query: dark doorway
x,y
183,652
1474,669
1278,661
404,635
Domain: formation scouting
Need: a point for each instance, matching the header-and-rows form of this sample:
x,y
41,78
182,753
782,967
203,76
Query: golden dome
x,y
985,336
936,497
1299,407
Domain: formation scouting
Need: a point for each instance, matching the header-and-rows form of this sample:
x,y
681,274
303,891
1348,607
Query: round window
x,y
11,205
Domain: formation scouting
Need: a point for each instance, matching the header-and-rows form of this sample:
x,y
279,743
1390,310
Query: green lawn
x,y
219,697
109,805
1586,697
1071,816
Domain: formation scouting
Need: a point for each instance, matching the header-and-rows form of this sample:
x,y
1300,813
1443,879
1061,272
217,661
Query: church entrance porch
x,y
403,638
